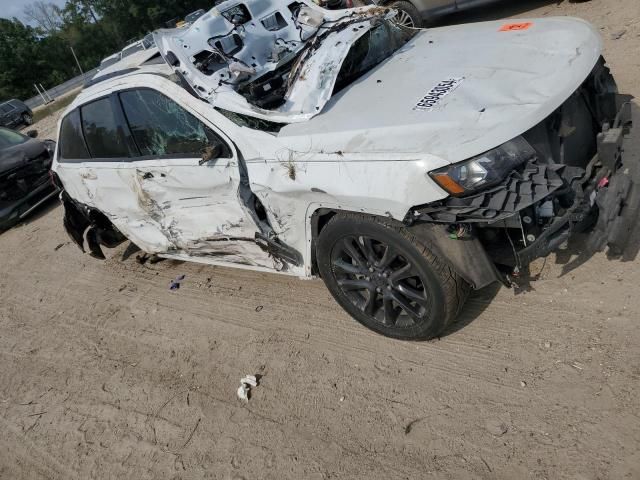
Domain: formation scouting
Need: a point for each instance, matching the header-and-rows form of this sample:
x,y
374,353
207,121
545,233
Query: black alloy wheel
x,y
385,278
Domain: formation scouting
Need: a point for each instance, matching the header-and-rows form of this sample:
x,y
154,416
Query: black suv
x,y
14,113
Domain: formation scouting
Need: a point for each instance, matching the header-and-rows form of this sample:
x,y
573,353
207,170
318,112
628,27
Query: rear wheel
x,y
387,279
408,15
27,119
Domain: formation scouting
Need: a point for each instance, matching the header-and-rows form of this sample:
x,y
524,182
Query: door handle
x,y
147,175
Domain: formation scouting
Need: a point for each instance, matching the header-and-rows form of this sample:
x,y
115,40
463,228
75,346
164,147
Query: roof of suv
x,y
105,82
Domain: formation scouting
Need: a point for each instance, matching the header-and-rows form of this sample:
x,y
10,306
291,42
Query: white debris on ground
x,y
246,383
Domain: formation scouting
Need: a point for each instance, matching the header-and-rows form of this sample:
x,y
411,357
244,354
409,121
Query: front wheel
x,y
27,119
387,279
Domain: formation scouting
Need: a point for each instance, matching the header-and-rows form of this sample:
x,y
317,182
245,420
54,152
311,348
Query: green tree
x,y
94,28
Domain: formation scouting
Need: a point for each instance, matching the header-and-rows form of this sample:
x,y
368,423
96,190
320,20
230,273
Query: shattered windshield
x,y
376,45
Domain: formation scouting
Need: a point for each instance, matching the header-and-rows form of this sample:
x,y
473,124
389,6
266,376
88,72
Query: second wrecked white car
x,y
402,166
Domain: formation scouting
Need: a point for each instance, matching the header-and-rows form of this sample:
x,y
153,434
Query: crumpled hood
x,y
455,92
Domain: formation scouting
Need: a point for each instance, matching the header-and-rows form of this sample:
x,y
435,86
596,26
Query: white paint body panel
x,y
368,150
512,81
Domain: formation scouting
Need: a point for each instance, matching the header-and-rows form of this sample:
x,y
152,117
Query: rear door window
x,y
104,133
72,146
163,128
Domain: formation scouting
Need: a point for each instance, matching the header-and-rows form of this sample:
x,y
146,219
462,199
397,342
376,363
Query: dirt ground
x,y
107,374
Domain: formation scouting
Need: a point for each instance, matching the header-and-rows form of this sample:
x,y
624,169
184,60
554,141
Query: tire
x,y
373,266
27,119
408,15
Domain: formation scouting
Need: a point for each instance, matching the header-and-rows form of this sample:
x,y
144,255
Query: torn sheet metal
x,y
276,60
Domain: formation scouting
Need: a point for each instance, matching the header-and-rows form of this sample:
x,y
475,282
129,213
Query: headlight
x,y
484,170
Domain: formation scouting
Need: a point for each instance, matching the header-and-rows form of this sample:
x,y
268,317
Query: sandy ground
x,y
106,374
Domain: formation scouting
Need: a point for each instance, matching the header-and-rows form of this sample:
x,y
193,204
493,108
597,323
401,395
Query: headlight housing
x,y
484,170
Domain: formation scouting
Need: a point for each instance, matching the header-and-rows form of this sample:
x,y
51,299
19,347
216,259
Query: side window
x,y
71,143
161,127
105,136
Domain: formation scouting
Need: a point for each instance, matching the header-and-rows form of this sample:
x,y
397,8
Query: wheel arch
x,y
88,224
467,257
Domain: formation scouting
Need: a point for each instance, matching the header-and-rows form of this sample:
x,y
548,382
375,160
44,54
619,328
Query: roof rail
x,y
108,76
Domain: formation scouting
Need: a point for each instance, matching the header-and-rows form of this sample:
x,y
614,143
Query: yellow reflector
x,y
448,184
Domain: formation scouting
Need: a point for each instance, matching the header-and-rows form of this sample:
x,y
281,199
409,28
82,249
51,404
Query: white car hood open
x,y
497,80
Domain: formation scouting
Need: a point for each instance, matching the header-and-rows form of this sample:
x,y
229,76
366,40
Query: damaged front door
x,y
187,179
166,179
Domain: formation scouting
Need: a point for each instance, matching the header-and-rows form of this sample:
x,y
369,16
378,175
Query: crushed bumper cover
x,y
608,187
605,199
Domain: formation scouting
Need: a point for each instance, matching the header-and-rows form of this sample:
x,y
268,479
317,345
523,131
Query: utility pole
x,y
77,62
44,100
46,93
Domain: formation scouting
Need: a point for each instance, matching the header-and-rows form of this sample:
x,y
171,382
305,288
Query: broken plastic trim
x,y
251,122
279,250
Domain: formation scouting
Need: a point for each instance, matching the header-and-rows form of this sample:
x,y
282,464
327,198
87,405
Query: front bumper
x,y
602,198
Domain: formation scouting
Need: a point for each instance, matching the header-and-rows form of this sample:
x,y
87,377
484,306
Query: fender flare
x,y
466,256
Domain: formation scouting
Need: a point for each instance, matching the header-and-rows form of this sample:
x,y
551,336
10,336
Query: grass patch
x,y
53,107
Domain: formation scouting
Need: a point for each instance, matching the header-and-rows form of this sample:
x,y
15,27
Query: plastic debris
x,y
243,392
246,383
175,284
250,380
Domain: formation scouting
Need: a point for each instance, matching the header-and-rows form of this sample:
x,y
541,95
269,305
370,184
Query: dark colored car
x,y
25,181
14,113
417,13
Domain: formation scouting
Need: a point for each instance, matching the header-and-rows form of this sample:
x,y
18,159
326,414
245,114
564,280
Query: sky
x,y
13,8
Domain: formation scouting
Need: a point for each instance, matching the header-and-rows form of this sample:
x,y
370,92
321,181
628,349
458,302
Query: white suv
x,y
404,167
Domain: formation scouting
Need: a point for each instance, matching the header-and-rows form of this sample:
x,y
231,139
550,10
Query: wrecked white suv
x,y
402,166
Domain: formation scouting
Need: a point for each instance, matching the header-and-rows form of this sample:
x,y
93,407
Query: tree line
x,y
39,51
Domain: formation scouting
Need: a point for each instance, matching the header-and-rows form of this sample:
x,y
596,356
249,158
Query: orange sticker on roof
x,y
512,27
